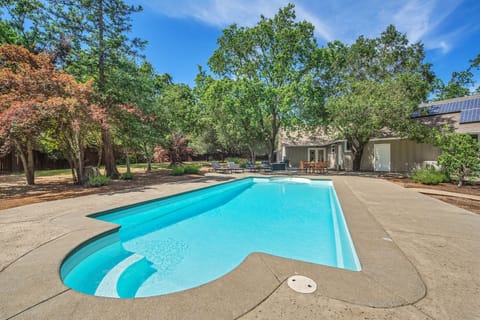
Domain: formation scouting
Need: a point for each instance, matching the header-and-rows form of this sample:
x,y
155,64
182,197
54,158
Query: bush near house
x,y
460,156
430,176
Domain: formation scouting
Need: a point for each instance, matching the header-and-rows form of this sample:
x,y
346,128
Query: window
x,y
347,146
333,148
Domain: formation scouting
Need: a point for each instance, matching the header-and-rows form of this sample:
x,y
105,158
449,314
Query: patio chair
x,y
218,168
321,167
266,166
233,167
251,167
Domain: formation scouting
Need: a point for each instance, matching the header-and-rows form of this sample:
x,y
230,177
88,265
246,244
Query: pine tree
x,y
97,32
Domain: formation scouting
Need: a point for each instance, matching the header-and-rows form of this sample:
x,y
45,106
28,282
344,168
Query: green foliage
x,y
376,84
458,86
178,170
24,24
126,176
262,72
430,176
97,181
240,161
460,155
191,169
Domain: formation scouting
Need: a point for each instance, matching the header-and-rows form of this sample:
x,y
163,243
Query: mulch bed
x,y
14,192
468,204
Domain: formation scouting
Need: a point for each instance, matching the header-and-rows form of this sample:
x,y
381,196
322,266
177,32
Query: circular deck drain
x,y
302,284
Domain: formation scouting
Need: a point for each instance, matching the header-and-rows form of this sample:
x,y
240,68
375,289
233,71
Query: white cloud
x,y
344,20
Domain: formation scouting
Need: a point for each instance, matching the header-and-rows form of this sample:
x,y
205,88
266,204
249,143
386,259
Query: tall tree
x,y
98,30
381,82
276,55
222,100
179,118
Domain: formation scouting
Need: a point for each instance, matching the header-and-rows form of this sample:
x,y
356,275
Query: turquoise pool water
x,y
184,241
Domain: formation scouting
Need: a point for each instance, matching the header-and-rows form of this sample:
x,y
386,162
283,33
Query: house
x,y
385,154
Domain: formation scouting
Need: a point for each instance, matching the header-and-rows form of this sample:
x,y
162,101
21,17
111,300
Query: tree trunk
x,y
108,155
149,165
80,168
357,158
23,158
30,164
273,137
127,161
461,177
252,154
99,152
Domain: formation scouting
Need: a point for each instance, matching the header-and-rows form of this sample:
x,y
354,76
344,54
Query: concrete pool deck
x,y
420,260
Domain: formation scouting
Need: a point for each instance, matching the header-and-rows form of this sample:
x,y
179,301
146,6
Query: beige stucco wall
x,y
452,120
405,155
297,154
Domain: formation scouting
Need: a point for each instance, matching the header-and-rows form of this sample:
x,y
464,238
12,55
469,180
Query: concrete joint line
x,y
39,303
31,250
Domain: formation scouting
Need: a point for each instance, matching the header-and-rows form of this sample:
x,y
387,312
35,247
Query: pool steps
x,y
108,285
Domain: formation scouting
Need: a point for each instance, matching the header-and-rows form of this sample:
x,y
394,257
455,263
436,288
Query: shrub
x,y
178,170
241,162
429,176
459,155
97,181
191,169
233,159
126,176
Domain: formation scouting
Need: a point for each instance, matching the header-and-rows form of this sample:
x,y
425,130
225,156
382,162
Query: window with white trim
x,y
347,146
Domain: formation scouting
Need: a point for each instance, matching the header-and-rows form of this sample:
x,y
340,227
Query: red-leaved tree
x,y
35,98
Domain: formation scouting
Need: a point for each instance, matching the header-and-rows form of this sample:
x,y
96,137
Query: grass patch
x,y
430,176
55,172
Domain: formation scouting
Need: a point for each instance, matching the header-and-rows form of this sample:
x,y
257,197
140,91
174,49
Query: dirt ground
x,y
14,192
468,204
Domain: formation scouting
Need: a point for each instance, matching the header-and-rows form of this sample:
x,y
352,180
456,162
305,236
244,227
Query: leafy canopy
x,y
275,56
378,85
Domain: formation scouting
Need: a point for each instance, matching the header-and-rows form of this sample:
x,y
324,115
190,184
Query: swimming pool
x,y
180,242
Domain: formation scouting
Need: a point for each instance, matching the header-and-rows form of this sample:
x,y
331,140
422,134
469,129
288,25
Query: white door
x,y
381,157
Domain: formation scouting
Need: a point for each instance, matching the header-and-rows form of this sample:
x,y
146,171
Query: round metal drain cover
x,y
302,284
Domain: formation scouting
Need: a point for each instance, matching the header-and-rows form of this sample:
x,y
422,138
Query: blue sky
x,y
182,34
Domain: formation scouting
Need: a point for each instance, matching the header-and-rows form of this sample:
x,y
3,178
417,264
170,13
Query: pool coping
x,y
388,279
